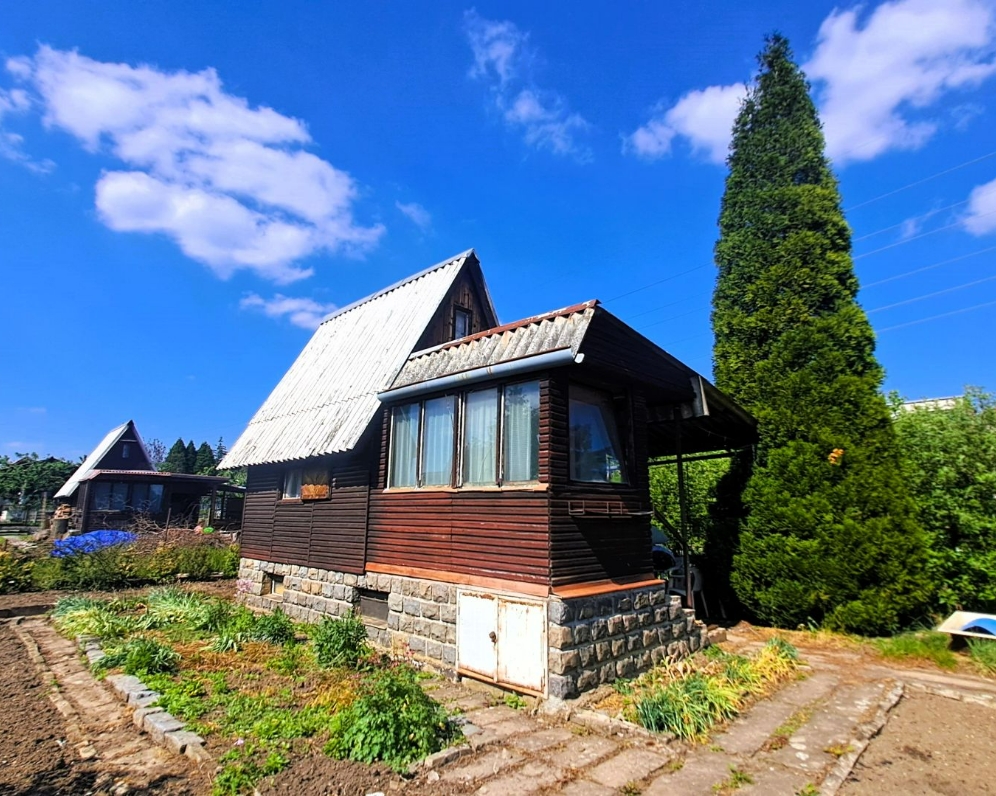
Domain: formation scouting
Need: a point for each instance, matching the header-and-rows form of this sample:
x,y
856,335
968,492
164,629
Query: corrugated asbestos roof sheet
x,y
98,453
329,396
538,335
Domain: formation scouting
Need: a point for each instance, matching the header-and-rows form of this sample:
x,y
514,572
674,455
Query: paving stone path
x,y
101,725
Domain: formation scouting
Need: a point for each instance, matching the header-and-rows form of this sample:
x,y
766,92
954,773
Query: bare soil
x,y
931,746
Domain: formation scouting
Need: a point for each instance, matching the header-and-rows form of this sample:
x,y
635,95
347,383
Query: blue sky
x,y
185,188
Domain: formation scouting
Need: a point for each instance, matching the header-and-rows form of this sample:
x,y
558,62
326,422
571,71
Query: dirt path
x,y
73,738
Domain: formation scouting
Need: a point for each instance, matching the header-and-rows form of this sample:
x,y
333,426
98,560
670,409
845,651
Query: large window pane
x,y
140,497
521,432
596,452
119,496
404,445
480,437
437,441
155,498
100,492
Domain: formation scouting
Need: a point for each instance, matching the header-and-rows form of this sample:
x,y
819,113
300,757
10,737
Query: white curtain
x,y
521,432
437,441
480,437
404,444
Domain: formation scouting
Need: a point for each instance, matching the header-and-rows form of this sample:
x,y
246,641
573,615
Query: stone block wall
x,y
421,613
595,640
591,640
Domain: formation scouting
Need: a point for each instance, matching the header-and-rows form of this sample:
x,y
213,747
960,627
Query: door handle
x,y
493,637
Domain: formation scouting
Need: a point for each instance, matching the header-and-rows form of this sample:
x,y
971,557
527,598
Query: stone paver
x,y
543,739
533,777
696,776
583,787
585,750
487,765
630,765
486,717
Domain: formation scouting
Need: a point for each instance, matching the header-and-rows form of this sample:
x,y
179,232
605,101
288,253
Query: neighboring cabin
x,y
477,491
117,483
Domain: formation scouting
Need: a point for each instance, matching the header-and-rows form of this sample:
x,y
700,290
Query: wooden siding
x,y
597,531
330,534
466,293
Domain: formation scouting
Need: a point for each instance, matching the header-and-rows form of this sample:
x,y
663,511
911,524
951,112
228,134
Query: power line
x,y
931,295
653,284
920,181
938,317
917,237
927,268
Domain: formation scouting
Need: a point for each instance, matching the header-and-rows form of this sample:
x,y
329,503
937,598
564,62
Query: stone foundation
x,y
591,640
599,639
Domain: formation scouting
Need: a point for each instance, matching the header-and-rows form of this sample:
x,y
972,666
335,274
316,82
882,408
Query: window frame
x,y
624,432
457,481
459,310
283,485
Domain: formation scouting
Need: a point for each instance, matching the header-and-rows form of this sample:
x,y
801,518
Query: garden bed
x,y
263,692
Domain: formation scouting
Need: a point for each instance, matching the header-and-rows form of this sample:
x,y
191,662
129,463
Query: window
x,y
155,498
480,437
496,420
121,496
101,496
520,429
462,323
596,450
125,450
292,484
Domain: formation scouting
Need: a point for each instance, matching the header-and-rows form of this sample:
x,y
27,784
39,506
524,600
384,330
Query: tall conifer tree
x,y
204,462
829,532
176,459
191,458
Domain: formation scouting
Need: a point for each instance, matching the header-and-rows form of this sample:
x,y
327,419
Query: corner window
x,y
461,323
596,447
292,484
495,430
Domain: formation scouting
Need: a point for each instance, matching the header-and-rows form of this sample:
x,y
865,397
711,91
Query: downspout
x,y
563,356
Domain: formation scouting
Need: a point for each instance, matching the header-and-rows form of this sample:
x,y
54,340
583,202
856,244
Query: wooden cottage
x,y
477,491
118,483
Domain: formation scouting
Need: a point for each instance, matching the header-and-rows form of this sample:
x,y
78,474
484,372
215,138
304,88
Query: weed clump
x,y
340,642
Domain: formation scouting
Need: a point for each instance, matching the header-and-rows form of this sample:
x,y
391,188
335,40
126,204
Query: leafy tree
x,y
950,465
156,449
701,478
204,463
191,458
830,532
176,459
26,478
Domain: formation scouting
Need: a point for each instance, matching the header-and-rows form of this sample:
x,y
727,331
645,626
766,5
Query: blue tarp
x,y
90,542
983,624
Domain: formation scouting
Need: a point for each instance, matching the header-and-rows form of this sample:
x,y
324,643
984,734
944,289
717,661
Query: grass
x,y
247,684
780,737
736,780
983,654
919,645
687,698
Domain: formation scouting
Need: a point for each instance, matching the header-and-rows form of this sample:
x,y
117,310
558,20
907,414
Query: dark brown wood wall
x,y
597,531
330,534
467,293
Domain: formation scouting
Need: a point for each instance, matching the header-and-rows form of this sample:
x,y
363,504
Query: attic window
x,y
126,450
462,322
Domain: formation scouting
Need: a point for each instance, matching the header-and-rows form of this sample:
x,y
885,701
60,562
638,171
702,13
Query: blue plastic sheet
x,y
90,542
983,624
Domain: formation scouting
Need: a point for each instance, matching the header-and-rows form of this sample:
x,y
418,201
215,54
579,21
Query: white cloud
x,y
415,213
16,102
304,312
872,79
705,118
231,184
503,58
980,218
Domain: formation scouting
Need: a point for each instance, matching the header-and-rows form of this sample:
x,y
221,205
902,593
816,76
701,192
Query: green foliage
x,y
949,458
204,463
26,477
701,479
827,528
274,628
141,656
82,616
16,572
393,720
923,645
340,642
176,460
243,766
983,653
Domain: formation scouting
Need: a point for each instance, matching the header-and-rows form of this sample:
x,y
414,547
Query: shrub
x,y
15,573
82,616
340,642
142,656
275,628
393,720
983,652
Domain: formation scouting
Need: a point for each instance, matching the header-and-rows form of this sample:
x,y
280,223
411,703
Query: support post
x,y
683,511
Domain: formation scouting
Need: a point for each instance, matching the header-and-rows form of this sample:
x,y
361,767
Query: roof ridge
x,y
396,285
507,327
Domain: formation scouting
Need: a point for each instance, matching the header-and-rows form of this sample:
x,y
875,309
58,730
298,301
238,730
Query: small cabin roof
x,y
92,462
328,398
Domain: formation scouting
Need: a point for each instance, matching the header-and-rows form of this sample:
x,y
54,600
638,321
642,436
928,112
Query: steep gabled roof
x,y
327,399
92,462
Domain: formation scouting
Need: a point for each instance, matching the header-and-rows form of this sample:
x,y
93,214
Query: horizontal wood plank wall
x,y
329,534
609,539
262,494
465,293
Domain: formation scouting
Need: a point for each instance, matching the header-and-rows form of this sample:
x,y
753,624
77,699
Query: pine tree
x,y
190,458
176,459
829,532
220,450
204,460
